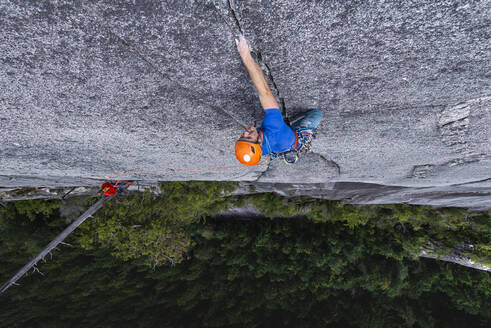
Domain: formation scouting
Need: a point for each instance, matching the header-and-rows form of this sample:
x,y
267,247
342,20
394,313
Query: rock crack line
x,y
234,17
235,22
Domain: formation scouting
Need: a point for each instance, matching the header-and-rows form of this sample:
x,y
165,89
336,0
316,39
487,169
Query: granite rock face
x,y
90,89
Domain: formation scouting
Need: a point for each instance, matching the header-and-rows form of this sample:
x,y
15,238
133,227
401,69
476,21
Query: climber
x,y
274,137
113,188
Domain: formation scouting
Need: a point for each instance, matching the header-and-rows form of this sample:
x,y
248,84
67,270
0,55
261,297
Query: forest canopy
x,y
166,259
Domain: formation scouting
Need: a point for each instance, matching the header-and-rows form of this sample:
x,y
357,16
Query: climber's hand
x,y
243,47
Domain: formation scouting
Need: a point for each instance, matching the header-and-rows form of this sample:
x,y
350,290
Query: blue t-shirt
x,y
280,136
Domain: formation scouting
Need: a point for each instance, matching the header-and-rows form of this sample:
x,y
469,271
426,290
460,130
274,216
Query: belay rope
x,y
115,175
305,137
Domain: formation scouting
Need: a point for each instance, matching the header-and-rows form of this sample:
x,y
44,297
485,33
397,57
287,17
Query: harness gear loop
x,y
303,143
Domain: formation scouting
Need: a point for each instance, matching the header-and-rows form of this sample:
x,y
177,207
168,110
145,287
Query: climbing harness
x,y
303,144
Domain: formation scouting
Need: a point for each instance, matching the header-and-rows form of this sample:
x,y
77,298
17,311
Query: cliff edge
x,y
90,89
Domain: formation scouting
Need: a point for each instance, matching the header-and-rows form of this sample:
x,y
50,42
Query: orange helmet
x,y
248,153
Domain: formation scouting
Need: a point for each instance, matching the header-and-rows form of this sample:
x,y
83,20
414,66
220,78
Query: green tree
x,y
353,270
153,225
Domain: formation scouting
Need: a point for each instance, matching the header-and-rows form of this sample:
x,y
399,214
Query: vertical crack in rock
x,y
190,93
271,78
331,163
227,13
231,19
236,23
234,17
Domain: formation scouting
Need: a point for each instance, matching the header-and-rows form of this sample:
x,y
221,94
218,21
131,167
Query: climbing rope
x,y
305,138
113,176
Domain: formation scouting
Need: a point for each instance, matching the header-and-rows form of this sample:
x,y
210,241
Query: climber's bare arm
x,y
257,76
